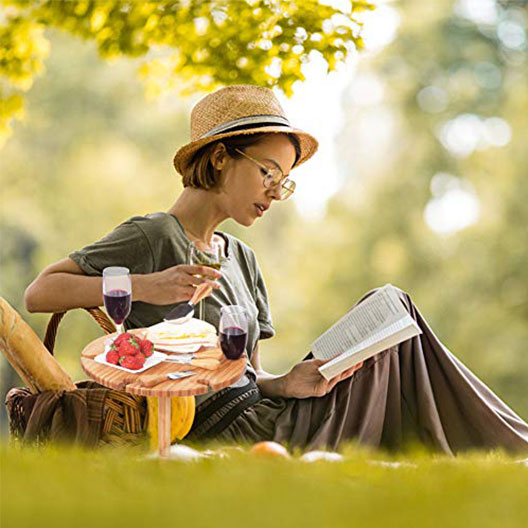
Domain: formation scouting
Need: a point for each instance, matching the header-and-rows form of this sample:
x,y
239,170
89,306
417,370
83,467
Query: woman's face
x,y
243,189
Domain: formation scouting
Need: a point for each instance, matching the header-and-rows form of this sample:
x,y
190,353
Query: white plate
x,y
155,359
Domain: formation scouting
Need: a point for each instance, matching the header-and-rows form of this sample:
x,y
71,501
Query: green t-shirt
x,y
146,244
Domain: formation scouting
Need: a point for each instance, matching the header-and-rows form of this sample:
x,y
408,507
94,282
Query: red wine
x,y
117,304
233,341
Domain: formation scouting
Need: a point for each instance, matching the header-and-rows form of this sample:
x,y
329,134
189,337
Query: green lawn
x,y
64,487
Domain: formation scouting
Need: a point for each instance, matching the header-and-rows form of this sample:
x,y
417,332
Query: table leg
x,y
164,425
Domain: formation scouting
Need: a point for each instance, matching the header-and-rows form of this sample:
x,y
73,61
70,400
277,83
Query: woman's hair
x,y
200,172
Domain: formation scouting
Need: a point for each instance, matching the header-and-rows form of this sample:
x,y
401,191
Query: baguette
x,y
26,353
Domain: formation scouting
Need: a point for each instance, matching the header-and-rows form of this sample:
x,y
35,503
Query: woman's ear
x,y
219,157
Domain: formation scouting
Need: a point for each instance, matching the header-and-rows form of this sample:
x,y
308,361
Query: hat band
x,y
247,122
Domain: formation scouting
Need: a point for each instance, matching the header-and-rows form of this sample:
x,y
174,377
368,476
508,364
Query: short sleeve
x,y
262,302
125,246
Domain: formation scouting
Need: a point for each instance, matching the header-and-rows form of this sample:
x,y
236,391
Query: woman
x,y
236,165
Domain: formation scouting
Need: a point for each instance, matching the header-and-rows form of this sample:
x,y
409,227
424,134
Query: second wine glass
x,y
117,293
203,255
233,330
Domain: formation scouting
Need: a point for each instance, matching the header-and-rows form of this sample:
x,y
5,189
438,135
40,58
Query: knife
x,y
183,312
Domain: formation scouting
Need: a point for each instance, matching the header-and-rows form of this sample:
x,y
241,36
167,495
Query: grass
x,y
109,487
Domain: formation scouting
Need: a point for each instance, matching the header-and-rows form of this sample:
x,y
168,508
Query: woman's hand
x,y
172,285
305,381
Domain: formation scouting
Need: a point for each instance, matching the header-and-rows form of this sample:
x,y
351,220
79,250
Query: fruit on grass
x,y
184,453
182,417
270,449
327,456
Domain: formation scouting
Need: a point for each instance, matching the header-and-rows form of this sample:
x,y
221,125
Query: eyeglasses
x,y
273,177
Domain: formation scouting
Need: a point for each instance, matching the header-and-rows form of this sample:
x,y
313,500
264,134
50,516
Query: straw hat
x,y
235,110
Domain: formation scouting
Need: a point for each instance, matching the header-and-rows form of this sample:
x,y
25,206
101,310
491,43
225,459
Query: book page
x,y
383,333
362,352
373,315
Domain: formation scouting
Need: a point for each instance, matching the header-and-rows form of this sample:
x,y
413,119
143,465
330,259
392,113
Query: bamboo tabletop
x,y
227,373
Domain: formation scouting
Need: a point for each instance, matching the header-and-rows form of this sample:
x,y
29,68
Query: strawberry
x,y
121,338
126,348
146,347
140,358
112,357
130,362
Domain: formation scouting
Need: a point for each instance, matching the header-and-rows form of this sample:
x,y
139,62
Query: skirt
x,y
415,392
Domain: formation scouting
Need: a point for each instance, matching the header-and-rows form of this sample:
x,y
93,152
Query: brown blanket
x,y
416,392
64,416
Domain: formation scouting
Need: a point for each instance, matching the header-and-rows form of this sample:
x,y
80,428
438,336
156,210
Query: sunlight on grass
x,y
69,487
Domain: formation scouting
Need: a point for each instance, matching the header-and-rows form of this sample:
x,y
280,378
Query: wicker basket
x,y
125,415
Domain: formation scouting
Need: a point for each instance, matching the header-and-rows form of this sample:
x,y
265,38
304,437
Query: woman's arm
x,y
61,286
64,285
271,386
303,380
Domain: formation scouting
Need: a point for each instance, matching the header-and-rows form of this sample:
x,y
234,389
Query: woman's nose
x,y
275,191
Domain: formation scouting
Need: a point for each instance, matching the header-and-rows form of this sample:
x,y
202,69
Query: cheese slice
x,y
193,331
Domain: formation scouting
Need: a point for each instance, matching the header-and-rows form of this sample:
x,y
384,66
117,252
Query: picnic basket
x,y
125,416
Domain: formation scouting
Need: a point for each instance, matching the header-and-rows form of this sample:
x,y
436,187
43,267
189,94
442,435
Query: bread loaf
x,y
27,354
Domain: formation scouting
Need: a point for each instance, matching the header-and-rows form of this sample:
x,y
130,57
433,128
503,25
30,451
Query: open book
x,y
379,322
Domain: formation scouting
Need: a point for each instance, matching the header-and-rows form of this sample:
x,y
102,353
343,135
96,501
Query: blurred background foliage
x,y
432,156
195,39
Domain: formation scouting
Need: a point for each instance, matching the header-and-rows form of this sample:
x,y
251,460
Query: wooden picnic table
x,y
227,373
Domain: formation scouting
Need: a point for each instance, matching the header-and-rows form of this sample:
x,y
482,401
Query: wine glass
x,y
117,293
233,330
202,255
